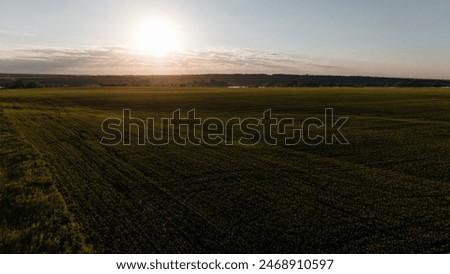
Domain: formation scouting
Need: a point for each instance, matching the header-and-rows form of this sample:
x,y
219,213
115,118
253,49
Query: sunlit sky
x,y
406,38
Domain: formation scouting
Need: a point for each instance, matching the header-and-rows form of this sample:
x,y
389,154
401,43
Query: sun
x,y
157,38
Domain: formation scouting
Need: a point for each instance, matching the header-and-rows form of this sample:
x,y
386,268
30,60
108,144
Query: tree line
x,y
15,81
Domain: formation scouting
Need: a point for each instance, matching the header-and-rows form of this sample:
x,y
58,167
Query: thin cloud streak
x,y
16,33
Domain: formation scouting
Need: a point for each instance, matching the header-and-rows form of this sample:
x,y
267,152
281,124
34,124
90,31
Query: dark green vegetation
x,y
15,81
389,191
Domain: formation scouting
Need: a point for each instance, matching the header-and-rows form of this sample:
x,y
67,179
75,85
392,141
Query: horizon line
x,y
230,74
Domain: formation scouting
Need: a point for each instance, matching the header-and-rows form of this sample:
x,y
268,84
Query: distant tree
x,y
17,84
34,85
215,83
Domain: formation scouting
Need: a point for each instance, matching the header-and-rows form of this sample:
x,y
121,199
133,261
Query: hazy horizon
x,y
200,74
407,39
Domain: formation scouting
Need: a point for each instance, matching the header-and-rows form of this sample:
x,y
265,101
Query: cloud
x,y
16,33
120,60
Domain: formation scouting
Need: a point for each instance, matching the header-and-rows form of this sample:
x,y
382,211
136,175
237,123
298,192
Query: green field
x,y
386,192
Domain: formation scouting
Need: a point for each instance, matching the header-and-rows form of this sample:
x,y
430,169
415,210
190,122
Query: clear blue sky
x,y
388,38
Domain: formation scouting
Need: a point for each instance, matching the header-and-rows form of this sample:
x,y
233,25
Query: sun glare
x,y
157,38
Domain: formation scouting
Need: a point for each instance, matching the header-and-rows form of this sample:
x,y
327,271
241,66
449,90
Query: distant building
x,y
237,87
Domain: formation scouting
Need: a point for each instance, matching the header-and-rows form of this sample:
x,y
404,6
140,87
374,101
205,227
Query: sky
x,y
399,38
